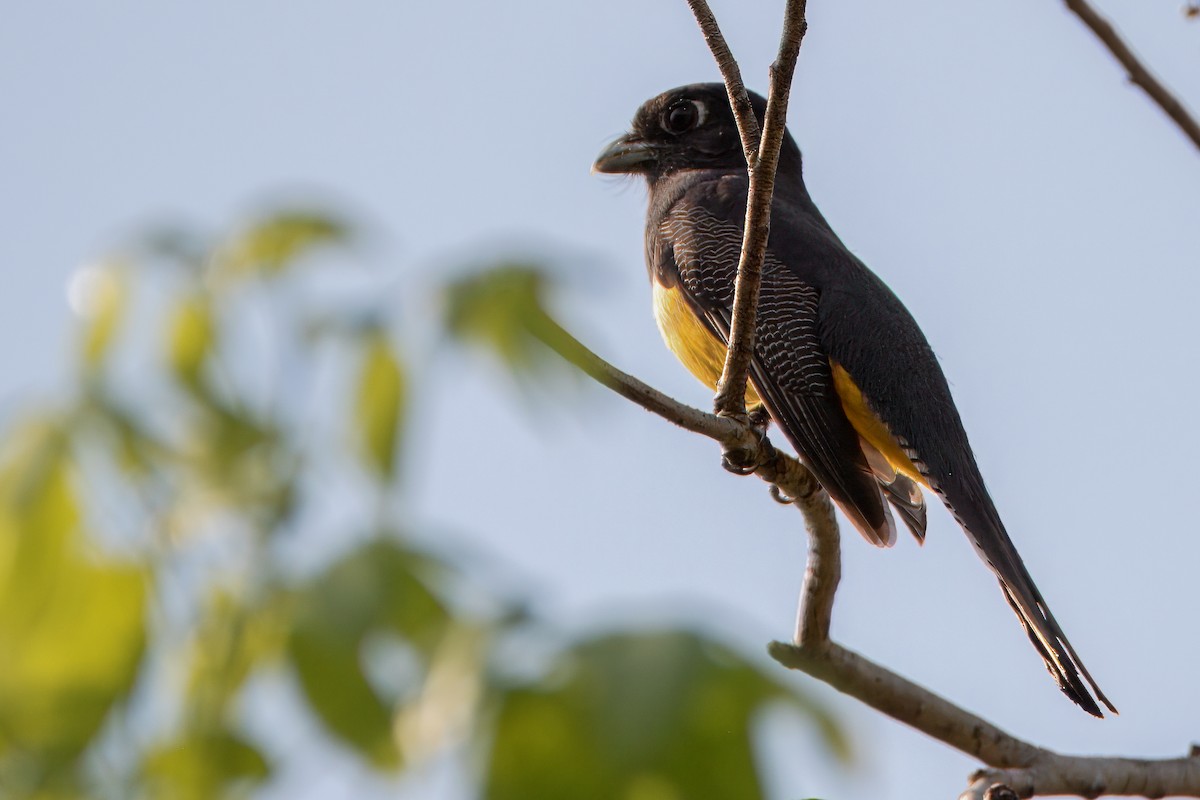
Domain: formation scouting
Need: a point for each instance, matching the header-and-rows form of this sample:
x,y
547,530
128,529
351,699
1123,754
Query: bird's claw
x,y
739,461
779,497
746,460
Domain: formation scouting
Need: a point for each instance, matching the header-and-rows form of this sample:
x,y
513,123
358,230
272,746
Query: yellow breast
x,y
704,356
687,337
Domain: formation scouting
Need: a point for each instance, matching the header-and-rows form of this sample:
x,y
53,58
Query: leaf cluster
x,y
152,520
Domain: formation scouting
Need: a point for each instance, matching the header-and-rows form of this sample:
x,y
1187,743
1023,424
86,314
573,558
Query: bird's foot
x,y
739,461
746,459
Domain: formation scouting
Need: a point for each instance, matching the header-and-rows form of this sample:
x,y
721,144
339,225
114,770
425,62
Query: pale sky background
x,y
1034,211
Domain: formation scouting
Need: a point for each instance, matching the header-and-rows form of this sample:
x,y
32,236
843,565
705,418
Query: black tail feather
x,y
982,524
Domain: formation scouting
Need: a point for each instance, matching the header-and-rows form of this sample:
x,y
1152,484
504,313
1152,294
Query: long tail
x,y
978,517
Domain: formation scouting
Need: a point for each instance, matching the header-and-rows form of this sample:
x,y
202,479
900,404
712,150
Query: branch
x,y
1029,770
1023,769
720,429
1018,767
822,573
782,471
743,112
761,163
1138,73
1054,774
905,701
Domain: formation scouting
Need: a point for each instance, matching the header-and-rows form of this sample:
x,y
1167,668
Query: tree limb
x,y
1138,73
903,700
1023,769
1080,776
1029,770
1018,767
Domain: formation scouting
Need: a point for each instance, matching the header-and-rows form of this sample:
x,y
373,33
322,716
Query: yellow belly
x,y
870,427
704,356
687,337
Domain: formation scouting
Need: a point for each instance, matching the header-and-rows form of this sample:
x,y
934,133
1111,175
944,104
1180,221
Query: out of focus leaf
x,y
501,309
192,334
380,403
662,716
98,294
374,590
234,638
272,245
71,626
203,767
239,459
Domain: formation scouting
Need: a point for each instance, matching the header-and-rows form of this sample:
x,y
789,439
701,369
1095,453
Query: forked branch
x,y
762,157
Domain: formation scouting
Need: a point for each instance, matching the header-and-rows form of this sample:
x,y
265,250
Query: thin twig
x,y
777,468
1138,73
743,112
560,341
761,163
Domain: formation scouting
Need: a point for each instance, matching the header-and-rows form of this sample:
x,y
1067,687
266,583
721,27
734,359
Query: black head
x,y
688,128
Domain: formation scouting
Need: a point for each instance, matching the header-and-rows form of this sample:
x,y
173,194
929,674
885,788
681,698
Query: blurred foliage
x,y
652,716
500,309
151,591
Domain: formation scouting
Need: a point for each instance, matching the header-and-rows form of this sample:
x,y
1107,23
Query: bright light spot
x,y
91,288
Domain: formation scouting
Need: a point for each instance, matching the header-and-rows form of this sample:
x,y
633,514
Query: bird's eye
x,y
682,117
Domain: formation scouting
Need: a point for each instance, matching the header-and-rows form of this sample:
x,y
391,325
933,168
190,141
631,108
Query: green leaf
x,y
380,403
202,767
271,246
71,625
501,310
192,335
652,716
373,590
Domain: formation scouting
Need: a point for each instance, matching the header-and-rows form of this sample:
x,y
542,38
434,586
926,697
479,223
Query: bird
x,y
839,363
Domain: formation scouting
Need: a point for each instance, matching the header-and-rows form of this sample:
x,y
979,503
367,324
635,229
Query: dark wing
x,y
906,388
790,370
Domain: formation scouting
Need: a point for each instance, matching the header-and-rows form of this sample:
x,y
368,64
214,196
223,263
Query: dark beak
x,y
629,154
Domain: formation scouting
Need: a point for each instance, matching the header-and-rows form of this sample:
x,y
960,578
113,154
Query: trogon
x,y
839,363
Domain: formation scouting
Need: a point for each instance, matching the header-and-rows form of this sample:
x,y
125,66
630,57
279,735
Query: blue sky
x,y
993,165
